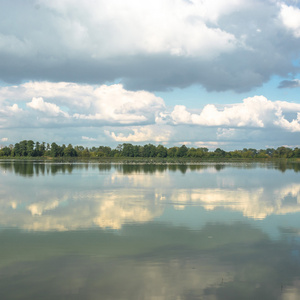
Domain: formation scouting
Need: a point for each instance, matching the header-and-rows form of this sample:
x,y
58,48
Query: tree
x,y
30,148
161,151
37,151
86,152
23,148
199,152
42,148
6,151
172,151
236,153
128,150
247,153
105,150
149,150
297,152
182,151
219,152
69,151
136,151
284,152
262,154
55,151
17,150
270,151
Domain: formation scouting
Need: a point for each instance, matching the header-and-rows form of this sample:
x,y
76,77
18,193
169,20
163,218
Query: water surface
x,y
94,231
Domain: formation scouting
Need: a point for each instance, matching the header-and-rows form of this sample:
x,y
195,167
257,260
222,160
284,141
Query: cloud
x,y
149,45
209,144
290,16
46,107
135,27
255,111
143,134
10,109
293,126
105,114
289,84
88,138
10,115
85,103
225,132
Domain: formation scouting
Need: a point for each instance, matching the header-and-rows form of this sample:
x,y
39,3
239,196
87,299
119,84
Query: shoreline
x,y
153,160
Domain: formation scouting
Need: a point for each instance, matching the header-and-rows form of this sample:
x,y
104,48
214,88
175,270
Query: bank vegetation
x,y
31,149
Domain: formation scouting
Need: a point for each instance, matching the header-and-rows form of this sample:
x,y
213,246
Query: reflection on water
x,y
158,261
211,231
109,196
28,168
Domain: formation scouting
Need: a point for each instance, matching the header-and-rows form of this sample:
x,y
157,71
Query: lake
x,y
108,231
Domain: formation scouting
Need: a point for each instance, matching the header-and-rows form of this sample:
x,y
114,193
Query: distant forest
x,y
29,148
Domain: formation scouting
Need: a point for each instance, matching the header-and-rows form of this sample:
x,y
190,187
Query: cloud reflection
x,y
37,209
256,203
110,199
151,261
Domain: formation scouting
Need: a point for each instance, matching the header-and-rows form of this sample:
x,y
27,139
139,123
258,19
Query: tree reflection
x,y
31,168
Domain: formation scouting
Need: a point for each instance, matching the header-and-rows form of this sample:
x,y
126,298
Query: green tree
x,y
30,148
296,152
79,150
182,151
17,150
161,151
6,151
86,152
219,152
42,148
69,151
284,152
127,150
270,151
149,150
55,150
23,148
262,154
136,151
172,151
37,151
105,150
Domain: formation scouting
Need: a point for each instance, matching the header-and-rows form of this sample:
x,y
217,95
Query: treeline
x,y
29,148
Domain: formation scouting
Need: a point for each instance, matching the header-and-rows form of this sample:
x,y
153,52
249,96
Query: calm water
x,y
90,231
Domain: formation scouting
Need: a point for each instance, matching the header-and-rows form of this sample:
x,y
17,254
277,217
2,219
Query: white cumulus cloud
x,y
110,113
103,104
255,111
290,16
143,134
46,107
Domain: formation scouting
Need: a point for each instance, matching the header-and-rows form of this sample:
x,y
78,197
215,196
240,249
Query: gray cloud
x,y
237,49
289,84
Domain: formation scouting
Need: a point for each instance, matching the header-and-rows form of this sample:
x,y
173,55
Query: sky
x,y
204,73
